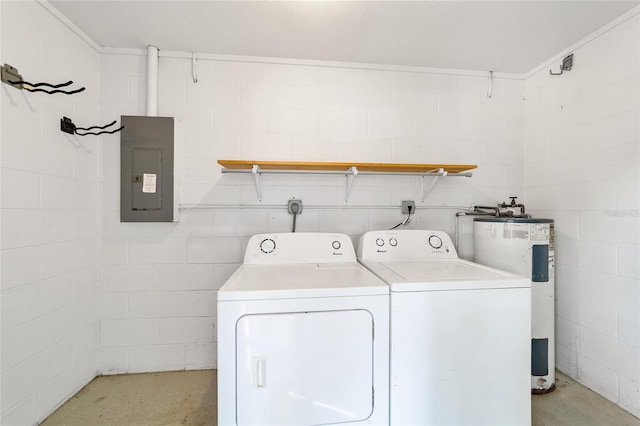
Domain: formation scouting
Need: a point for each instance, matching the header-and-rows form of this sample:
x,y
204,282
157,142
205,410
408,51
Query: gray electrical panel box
x,y
146,173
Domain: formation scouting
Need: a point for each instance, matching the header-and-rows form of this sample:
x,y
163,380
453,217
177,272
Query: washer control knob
x,y
435,241
393,242
379,242
336,245
267,245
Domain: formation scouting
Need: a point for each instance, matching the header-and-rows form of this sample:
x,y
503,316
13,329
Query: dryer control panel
x,y
299,247
406,244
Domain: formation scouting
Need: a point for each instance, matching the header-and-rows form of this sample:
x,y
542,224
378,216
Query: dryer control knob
x,y
379,242
267,245
393,242
435,242
336,245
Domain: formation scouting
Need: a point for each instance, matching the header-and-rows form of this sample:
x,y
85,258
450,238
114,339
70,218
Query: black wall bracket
x,y
11,74
567,64
67,126
12,77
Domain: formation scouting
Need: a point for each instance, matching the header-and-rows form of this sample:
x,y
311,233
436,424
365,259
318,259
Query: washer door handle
x,y
260,372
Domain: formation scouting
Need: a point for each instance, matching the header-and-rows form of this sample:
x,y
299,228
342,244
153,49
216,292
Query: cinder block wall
x,y
49,243
159,281
582,168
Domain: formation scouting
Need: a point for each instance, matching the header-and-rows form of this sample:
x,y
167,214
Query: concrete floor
x,y
189,398
572,404
153,399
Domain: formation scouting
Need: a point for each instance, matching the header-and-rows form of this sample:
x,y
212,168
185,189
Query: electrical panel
x,y
147,169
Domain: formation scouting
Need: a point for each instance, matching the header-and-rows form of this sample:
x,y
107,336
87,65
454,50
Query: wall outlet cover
x,y
408,204
294,206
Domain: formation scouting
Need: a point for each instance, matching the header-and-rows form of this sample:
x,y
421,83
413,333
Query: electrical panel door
x,y
146,177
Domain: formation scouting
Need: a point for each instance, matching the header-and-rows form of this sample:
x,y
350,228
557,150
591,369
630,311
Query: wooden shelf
x,y
345,167
350,170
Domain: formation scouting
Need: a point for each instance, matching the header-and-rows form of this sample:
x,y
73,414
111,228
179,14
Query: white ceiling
x,y
505,36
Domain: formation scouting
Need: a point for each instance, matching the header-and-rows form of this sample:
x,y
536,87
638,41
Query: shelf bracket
x,y
425,194
257,174
351,174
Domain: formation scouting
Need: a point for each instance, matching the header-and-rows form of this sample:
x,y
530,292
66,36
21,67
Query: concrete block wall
x,y
582,168
158,281
49,216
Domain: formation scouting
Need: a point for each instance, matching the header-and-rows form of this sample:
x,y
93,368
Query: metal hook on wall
x,y
12,77
490,84
194,69
567,64
67,126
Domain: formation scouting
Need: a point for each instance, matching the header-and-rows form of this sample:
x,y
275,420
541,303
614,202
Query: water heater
x,y
524,246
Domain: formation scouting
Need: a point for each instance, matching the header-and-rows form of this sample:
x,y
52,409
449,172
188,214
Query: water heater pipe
x,y
152,81
467,213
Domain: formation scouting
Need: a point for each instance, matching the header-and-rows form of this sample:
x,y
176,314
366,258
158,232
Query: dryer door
x,y
304,368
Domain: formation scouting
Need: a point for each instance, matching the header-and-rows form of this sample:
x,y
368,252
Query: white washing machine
x,y
459,334
303,335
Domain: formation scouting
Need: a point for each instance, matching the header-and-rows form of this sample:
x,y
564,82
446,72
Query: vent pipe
x,y
152,81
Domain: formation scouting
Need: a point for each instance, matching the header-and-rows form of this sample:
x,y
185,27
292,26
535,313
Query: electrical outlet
x,y
406,205
295,206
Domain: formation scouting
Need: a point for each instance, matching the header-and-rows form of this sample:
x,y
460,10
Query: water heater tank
x,y
525,247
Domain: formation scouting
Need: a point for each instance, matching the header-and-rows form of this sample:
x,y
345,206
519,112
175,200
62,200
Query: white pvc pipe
x,y
152,81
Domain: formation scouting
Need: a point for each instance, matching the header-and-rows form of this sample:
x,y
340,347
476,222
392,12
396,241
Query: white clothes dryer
x,y
459,333
303,335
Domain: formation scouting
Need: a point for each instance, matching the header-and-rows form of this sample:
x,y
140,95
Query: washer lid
x,y
438,275
267,282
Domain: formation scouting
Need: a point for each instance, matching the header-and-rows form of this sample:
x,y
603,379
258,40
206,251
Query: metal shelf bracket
x,y
257,174
441,173
351,174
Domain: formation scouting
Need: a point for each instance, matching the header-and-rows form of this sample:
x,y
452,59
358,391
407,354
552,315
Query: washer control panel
x,y
406,244
299,247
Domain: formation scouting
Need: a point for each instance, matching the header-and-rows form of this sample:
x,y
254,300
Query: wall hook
x,y
489,92
67,126
567,64
194,69
12,77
